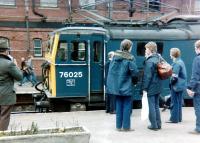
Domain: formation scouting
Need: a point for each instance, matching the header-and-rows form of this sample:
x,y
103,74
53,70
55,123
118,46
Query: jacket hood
x,y
120,55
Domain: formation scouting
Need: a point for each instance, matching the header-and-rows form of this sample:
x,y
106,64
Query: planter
x,y
57,135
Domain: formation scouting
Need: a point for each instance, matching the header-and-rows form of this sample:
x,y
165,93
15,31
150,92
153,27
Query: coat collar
x,y
153,55
124,55
4,57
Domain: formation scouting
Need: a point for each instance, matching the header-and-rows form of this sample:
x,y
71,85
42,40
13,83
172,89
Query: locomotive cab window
x,y
50,44
141,48
62,51
97,51
78,52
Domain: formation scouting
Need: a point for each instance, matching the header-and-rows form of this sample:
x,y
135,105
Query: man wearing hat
x,y
9,72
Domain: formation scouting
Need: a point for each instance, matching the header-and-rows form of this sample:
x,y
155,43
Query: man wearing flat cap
x,y
9,72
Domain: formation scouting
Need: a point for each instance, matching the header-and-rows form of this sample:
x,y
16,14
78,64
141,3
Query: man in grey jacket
x,y
8,73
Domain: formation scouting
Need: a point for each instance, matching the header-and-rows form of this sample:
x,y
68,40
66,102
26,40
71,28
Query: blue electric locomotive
x,y
76,56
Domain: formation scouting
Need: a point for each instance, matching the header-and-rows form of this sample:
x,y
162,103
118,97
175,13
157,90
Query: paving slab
x,y
102,126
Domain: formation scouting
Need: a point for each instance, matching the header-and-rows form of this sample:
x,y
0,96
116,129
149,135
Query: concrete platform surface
x,y
26,88
102,126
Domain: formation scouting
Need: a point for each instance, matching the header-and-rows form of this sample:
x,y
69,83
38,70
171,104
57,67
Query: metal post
x,y
70,10
27,24
110,8
89,78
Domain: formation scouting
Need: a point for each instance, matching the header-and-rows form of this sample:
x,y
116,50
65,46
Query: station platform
x,y
26,88
24,93
102,126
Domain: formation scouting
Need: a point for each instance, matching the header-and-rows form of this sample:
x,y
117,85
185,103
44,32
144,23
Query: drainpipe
x,y
110,8
131,8
27,25
36,13
70,10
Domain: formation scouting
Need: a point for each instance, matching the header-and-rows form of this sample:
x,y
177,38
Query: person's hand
x,y
15,61
190,92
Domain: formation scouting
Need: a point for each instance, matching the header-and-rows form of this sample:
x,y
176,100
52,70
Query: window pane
x,y
7,2
197,5
154,5
37,47
97,51
62,51
141,48
48,3
78,51
37,43
88,4
37,52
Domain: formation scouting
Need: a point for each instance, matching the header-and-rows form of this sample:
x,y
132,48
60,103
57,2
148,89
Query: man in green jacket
x,y
9,72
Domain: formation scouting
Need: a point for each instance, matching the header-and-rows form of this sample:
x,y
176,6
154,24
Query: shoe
x,y
159,128
194,132
128,130
112,112
154,129
171,122
119,129
165,107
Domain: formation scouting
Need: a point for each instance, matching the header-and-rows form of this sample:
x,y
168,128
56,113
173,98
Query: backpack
x,y
164,69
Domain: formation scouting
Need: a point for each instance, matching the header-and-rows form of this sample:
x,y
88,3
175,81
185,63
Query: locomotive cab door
x,y
97,66
72,70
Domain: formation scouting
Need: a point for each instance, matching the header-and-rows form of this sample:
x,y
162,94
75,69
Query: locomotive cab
x,y
77,58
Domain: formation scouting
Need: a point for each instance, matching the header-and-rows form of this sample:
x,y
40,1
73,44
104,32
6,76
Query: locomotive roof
x,y
171,31
81,30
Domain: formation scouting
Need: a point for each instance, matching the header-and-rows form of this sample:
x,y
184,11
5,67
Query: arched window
x,y
37,47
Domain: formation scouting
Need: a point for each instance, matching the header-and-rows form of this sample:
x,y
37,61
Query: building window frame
x,y
7,2
49,3
37,47
154,5
86,4
197,5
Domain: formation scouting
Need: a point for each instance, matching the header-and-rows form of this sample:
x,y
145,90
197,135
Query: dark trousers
x,y
196,102
123,112
154,112
176,106
110,103
5,111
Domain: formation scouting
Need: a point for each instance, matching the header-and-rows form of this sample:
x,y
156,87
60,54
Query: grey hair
x,y
126,45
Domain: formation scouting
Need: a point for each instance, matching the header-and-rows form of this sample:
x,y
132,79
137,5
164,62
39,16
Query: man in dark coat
x,y
8,73
110,99
193,88
151,85
119,83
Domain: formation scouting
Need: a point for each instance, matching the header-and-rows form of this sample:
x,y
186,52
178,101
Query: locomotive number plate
x,y
71,74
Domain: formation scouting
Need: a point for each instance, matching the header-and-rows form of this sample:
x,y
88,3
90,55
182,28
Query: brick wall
x,y
18,36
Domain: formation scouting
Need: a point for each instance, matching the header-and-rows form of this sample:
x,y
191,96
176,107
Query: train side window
x,y
78,51
62,51
97,51
141,48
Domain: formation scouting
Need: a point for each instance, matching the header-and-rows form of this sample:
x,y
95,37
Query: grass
x,y
33,129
